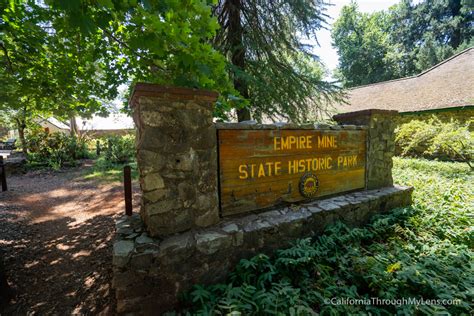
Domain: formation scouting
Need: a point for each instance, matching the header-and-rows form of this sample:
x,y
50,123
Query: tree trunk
x,y
21,132
235,34
455,7
74,130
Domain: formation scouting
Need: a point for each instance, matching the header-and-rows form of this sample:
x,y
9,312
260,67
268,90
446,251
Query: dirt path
x,y
56,232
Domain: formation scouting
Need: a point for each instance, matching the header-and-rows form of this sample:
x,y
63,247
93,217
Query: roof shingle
x,y
448,84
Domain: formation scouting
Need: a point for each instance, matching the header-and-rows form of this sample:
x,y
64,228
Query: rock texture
x,y
179,240
150,273
380,143
177,157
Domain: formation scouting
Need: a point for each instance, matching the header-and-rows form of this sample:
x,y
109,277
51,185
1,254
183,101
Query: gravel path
x,y
56,232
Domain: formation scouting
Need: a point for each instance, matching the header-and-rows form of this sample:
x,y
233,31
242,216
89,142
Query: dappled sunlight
x,y
57,231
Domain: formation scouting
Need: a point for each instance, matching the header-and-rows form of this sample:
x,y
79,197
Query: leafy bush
x,y
55,150
434,139
424,251
120,149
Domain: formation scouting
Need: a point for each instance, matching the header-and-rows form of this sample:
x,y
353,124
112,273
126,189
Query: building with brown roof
x,y
446,90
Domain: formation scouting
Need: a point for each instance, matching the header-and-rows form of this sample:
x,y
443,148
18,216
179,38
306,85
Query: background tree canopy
x,y
68,57
406,40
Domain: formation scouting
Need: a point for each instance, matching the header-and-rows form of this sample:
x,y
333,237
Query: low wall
x,y
199,216
149,273
461,114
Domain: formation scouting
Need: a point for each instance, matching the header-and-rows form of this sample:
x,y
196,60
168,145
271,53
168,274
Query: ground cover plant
x,y
115,152
423,252
105,171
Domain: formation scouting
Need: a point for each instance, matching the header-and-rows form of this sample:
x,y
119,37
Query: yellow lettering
x,y
261,171
252,172
308,141
269,165
301,166
243,172
276,143
277,168
292,141
302,142
292,166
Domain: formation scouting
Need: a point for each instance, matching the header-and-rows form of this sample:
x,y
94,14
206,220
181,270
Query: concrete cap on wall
x,y
154,90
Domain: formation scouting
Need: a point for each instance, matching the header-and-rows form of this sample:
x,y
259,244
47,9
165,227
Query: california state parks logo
x,y
309,185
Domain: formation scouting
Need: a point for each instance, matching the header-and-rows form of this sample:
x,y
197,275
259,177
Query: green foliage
x,y
365,51
405,40
434,139
424,251
50,69
105,171
55,150
269,63
120,149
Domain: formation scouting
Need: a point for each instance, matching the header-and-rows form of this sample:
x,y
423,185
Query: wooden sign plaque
x,y
262,168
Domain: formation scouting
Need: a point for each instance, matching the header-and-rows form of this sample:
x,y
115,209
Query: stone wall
x,y
380,143
462,115
149,273
179,239
177,157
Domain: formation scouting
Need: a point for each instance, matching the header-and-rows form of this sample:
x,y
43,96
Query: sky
x,y
325,51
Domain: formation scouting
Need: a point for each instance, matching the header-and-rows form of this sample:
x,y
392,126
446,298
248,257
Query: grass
x,y
104,171
419,252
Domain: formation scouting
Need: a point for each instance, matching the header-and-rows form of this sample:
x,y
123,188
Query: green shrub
x,y
424,251
120,149
435,140
55,150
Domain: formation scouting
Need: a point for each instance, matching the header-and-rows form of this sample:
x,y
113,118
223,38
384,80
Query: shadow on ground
x,y
56,232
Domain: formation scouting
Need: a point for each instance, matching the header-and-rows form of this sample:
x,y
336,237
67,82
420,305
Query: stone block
x,y
122,251
176,156
211,242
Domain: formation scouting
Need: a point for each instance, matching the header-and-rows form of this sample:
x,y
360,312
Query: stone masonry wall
x,y
179,239
380,143
177,157
150,273
462,115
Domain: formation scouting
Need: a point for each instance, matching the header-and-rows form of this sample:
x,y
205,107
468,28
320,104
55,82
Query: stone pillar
x,y
176,156
380,143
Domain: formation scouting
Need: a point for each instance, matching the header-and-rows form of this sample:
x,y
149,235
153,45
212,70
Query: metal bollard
x,y
3,175
127,185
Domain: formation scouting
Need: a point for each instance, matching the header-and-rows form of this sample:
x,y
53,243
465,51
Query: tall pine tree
x,y
268,63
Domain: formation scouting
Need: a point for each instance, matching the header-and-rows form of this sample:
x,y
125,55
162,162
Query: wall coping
x,y
153,90
252,125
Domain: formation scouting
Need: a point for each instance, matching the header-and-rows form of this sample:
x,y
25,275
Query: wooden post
x,y
3,175
97,148
127,184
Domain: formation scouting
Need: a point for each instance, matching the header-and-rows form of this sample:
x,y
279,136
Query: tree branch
x,y
9,62
122,43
